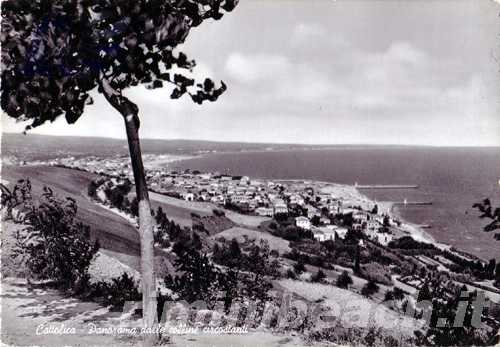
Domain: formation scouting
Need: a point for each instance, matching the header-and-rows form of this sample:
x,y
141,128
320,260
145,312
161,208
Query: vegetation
x,y
55,246
369,288
114,293
488,212
354,336
318,276
344,280
448,327
284,226
198,279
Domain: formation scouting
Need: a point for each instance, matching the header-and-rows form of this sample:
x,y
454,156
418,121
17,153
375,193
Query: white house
x,y
341,231
303,222
264,211
373,224
384,238
280,206
360,216
324,234
319,236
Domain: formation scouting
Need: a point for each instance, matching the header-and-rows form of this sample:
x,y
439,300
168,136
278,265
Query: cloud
x,y
259,67
405,53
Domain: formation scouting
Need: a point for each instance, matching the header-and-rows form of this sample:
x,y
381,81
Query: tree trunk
x,y
146,224
129,112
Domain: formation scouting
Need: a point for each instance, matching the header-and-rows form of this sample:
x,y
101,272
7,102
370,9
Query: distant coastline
x,y
451,178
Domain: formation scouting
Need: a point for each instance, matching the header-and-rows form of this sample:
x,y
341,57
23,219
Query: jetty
x,y
406,203
386,186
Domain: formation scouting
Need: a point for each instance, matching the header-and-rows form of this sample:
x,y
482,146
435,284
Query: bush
x,y
55,246
291,274
219,213
369,288
116,293
344,280
354,336
318,276
377,273
299,267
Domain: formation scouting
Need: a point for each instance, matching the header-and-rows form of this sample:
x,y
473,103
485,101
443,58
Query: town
x,y
327,210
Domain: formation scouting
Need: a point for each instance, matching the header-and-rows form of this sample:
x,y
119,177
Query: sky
x,y
330,72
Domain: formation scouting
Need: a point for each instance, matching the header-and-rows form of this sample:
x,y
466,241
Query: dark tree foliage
x,y
20,195
299,267
92,189
116,292
344,280
198,279
357,266
318,276
491,213
134,207
56,246
449,328
369,288
397,294
248,271
54,52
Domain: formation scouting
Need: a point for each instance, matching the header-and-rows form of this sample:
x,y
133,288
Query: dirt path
x,y
27,311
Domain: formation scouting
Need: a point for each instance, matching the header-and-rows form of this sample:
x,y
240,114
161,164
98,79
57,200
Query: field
x,y
279,244
352,309
176,206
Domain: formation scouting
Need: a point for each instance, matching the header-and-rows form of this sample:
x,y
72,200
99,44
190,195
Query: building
x,y
319,236
296,199
360,216
373,224
323,234
303,223
312,211
279,206
264,211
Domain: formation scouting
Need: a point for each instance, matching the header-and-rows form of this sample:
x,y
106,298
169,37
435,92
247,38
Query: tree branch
x,y
122,104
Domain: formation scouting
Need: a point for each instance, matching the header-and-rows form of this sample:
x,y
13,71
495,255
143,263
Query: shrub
x,y
344,280
354,336
219,213
55,246
291,274
318,276
198,276
377,273
116,293
299,267
369,288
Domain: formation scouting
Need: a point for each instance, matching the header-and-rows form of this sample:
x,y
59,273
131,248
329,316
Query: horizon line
x,y
259,142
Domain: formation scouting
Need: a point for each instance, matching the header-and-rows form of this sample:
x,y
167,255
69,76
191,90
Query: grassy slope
x,y
352,309
279,244
116,236
114,232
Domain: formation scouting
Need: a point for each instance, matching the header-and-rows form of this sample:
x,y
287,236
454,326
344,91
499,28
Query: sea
x,y
453,179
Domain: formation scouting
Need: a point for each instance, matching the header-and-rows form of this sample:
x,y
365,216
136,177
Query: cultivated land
x,y
176,205
351,309
240,234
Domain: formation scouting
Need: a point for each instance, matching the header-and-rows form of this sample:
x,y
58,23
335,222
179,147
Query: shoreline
x,y
413,230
